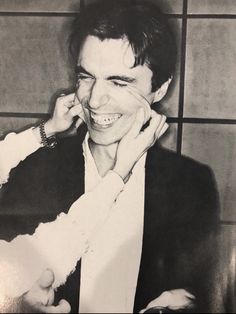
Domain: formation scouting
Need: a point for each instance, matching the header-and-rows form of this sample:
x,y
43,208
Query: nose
x,y
99,95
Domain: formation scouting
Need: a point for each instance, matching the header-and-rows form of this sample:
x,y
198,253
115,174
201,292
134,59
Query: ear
x,y
160,93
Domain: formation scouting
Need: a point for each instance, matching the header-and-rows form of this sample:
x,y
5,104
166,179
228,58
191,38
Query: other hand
x,y
136,142
67,107
173,299
39,299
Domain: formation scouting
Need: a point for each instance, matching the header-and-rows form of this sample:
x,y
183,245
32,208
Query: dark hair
x,y
141,22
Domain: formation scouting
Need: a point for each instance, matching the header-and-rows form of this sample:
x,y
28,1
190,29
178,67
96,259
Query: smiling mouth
x,y
104,120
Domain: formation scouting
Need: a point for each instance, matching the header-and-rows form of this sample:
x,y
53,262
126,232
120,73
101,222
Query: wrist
x,y
45,137
36,133
124,174
49,128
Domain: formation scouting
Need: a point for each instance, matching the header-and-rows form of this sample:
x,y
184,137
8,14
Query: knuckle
x,y
166,294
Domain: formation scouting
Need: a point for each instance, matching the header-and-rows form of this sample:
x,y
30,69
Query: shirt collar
x,y
89,160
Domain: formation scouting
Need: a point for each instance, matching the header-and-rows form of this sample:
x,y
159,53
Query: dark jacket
x,y
181,216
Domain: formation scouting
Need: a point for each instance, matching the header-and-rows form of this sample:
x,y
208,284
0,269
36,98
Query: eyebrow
x,y
121,78
80,69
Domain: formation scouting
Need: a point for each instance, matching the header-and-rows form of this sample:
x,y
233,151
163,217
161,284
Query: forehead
x,y
109,57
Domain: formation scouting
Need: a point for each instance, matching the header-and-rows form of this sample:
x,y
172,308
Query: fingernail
x,y
166,126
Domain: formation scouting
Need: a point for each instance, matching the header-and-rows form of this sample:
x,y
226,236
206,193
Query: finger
x,y
68,100
154,309
78,123
47,279
158,302
189,295
160,127
163,130
76,110
148,135
157,125
65,306
50,296
62,307
137,125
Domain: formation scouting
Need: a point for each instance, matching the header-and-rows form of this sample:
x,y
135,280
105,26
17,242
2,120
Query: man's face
x,y
110,89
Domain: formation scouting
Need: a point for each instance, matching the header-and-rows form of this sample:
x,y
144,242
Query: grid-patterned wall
x,y
34,67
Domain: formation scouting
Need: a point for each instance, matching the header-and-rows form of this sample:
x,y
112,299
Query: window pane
x,y
215,145
8,125
34,61
212,6
39,5
169,6
210,69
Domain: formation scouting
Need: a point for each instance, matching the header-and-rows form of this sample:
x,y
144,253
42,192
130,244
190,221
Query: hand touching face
x,y
136,142
66,109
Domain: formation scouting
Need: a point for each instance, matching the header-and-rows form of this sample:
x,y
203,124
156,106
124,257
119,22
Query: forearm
x,y
57,245
15,148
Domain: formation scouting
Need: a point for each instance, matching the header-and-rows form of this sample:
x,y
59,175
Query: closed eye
x,y
81,76
119,84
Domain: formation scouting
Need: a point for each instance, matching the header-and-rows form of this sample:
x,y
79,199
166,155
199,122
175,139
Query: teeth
x,y
105,119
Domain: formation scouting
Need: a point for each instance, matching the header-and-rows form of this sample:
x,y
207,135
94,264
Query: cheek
x,y
83,92
131,103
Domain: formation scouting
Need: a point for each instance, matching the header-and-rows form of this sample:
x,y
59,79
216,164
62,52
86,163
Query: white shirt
x,y
110,268
15,148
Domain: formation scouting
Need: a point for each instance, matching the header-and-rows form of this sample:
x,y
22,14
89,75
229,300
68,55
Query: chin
x,y
104,139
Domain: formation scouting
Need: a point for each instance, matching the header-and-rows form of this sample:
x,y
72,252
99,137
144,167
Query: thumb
x,y
47,279
78,123
77,111
65,306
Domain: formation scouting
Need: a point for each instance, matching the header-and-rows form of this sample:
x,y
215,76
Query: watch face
x,y
51,142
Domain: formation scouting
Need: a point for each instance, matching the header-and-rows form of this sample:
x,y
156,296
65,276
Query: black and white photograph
x,y
117,149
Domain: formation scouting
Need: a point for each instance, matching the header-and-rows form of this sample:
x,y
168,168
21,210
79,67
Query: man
x,y
156,248
24,258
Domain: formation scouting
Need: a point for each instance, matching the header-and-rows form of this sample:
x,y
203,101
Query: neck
x,y
104,156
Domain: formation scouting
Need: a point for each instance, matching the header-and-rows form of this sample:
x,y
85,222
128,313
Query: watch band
x,y
49,142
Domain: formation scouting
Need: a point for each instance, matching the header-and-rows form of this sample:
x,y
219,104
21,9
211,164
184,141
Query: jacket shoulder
x,y
176,164
188,187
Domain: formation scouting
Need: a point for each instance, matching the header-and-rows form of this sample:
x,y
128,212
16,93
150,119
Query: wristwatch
x,y
49,142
